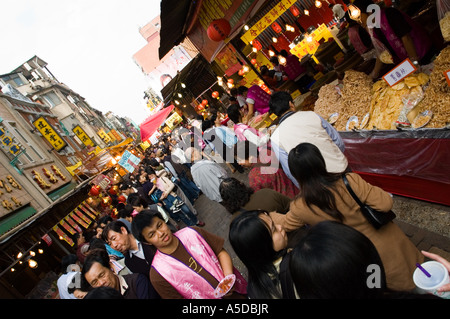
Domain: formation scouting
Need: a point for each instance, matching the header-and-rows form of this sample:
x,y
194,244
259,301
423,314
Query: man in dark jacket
x,y
98,273
138,256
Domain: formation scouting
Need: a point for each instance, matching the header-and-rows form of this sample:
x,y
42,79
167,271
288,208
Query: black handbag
x,y
375,217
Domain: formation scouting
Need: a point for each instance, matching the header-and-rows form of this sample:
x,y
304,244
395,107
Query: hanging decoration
x,y
215,95
257,45
219,30
95,190
295,11
276,27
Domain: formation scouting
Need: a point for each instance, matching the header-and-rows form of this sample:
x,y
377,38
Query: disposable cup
x,y
439,277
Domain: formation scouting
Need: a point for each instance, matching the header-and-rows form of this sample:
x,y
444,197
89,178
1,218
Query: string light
x,y
306,12
318,4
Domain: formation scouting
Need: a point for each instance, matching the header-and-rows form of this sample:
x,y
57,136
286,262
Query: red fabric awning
x,y
152,123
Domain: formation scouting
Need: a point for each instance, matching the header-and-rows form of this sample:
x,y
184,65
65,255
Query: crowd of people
x,y
156,247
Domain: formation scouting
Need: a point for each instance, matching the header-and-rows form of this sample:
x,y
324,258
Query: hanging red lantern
x,y
106,201
241,72
253,61
215,94
204,102
219,30
276,27
95,190
231,81
114,190
295,11
122,199
257,44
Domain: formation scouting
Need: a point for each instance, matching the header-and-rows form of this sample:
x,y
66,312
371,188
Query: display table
x,y
411,163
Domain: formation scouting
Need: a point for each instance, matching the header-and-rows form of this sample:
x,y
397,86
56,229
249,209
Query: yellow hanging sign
x,y
267,20
47,130
82,135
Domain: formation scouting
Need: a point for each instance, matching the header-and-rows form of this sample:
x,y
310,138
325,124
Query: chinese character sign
x,y
267,20
84,138
49,133
400,72
129,161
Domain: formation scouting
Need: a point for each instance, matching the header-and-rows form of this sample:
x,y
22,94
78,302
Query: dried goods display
x,y
418,101
388,102
356,97
329,102
437,95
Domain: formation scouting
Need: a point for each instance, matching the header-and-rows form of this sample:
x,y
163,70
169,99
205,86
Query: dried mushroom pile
x,y
437,94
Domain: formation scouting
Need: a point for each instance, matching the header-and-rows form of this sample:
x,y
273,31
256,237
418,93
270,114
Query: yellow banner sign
x,y
104,136
49,133
82,135
310,43
267,20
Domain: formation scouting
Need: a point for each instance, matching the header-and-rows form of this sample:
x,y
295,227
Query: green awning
x,y
61,191
16,219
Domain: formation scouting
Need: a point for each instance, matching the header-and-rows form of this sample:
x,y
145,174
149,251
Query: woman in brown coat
x,y
323,196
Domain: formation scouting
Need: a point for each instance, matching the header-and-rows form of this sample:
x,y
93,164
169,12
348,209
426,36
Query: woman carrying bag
x,y
324,196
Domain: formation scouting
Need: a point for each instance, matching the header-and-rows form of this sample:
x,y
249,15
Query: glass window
x,y
52,99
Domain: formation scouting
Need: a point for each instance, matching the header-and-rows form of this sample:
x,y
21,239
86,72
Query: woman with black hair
x,y
238,197
324,196
335,261
262,246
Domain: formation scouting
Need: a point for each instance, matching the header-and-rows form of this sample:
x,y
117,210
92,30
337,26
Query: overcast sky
x,y
88,45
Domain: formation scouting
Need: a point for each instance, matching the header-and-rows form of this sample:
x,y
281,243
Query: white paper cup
x,y
430,285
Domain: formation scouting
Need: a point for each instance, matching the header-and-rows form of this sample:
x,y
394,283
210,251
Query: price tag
x,y
296,94
447,76
318,76
400,72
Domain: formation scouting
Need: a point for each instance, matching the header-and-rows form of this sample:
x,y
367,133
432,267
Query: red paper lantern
x,y
276,27
257,44
204,102
95,190
231,81
219,30
215,94
241,72
113,190
253,61
295,11
122,199
106,201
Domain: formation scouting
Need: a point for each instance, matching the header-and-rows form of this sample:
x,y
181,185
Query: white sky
x,y
88,45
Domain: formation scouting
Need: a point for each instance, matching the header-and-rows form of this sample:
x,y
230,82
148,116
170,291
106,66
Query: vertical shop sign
x,y
81,134
49,133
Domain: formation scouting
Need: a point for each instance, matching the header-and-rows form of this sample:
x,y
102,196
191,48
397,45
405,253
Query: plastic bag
x,y
381,51
443,13
409,102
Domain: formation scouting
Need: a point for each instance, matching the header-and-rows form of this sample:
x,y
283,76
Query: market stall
x,y
397,137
